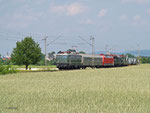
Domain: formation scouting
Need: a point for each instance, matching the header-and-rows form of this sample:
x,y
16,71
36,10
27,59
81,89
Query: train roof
x,y
67,54
89,55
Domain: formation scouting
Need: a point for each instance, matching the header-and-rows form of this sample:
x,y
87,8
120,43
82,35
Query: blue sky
x,y
120,24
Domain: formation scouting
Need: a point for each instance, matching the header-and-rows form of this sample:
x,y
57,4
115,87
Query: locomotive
x,y
73,60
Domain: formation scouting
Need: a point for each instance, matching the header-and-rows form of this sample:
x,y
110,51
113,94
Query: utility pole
x,y
45,43
139,54
106,49
93,48
75,48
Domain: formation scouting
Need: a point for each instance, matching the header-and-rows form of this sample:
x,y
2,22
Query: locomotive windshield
x,y
61,59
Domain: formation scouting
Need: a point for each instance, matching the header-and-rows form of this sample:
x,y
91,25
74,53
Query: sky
x,y
122,25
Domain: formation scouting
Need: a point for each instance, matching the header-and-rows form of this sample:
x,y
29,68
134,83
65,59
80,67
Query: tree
x,y
71,50
42,61
26,52
130,55
82,52
1,61
145,60
6,62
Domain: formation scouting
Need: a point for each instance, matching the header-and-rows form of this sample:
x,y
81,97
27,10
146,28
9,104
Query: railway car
x,y
120,60
135,61
124,60
94,61
132,61
107,60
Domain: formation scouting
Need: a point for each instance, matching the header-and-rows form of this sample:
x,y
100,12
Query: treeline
x,y
145,60
5,62
52,61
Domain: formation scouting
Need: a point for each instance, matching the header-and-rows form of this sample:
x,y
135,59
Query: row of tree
x,y
145,60
5,62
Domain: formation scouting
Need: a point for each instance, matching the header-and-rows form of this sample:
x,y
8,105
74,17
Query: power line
x,y
53,40
34,35
8,33
59,43
12,37
8,39
84,40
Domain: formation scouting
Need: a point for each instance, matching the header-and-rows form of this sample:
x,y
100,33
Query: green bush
x,y
145,60
7,69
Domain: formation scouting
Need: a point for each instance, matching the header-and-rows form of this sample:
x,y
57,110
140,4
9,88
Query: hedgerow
x,y
7,69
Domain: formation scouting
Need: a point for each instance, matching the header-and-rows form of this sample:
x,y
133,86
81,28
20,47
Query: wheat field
x,y
104,90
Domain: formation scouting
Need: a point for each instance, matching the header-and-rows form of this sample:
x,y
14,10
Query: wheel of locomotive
x,y
92,67
83,67
60,68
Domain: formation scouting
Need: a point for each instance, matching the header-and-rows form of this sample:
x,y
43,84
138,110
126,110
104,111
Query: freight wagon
x,y
120,60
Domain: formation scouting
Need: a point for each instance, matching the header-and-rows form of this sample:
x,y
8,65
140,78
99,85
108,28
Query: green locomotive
x,y
68,61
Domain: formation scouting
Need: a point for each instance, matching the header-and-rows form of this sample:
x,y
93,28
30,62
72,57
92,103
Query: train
x,y
73,60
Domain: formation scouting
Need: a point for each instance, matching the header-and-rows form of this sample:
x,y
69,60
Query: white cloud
x,y
102,12
136,1
71,10
124,17
75,9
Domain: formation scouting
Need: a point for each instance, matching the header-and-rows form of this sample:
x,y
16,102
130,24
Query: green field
x,y
105,90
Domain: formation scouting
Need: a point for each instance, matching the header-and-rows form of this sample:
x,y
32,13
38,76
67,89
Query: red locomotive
x,y
108,60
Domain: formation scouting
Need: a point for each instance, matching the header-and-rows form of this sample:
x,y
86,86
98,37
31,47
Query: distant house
x,y
51,56
4,58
